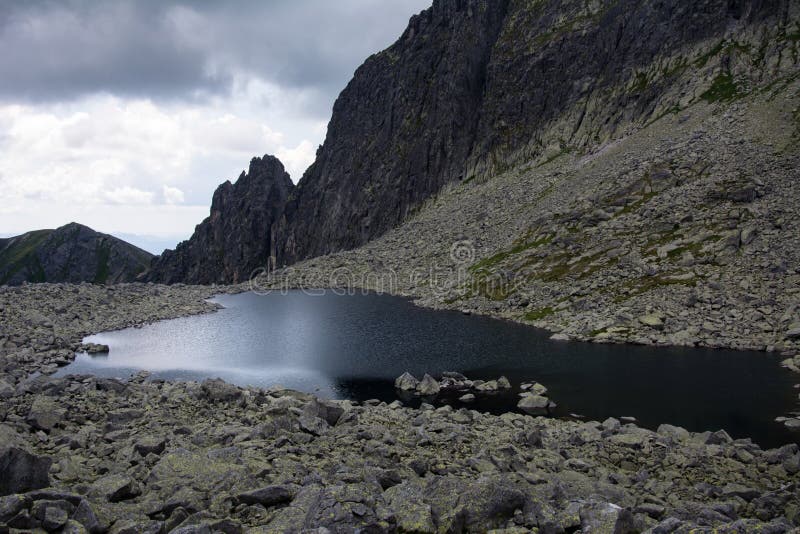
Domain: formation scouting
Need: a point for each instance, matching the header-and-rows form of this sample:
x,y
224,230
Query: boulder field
x,y
88,454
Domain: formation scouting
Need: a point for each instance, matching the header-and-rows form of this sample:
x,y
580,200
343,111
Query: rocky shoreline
x,y
87,454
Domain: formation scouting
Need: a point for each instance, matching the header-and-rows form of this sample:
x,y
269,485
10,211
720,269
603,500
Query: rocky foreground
x,y
85,454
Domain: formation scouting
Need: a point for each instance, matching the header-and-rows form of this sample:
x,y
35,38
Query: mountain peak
x,y
71,253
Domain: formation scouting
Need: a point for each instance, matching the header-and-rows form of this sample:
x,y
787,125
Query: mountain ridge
x,y
473,88
71,253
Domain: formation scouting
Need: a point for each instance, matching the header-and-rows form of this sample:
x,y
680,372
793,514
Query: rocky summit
x,y
72,253
237,238
82,454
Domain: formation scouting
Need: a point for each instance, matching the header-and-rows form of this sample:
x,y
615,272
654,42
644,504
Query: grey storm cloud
x,y
58,50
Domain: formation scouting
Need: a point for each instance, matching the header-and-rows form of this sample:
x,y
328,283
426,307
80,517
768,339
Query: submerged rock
x,y
536,404
428,386
96,348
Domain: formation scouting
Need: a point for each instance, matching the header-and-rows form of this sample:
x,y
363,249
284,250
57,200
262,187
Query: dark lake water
x,y
354,346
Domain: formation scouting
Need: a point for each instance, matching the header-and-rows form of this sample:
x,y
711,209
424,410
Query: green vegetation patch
x,y
541,313
103,253
492,261
21,255
640,83
635,205
723,89
560,269
702,60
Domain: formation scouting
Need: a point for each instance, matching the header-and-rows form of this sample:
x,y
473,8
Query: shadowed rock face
x,y
400,130
237,236
474,87
73,253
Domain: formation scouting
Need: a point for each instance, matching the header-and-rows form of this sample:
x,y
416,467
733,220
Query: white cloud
x,y
297,159
108,151
129,195
173,195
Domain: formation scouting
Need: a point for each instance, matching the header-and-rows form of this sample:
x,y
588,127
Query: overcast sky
x,y
126,115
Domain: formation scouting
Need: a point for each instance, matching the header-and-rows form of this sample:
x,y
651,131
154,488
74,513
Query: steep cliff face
x,y
73,253
401,129
236,238
475,87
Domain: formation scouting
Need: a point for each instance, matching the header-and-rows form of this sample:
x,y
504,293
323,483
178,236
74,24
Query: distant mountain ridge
x,y
475,87
72,253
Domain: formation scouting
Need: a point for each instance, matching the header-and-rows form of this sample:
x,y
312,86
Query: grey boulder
x,y
21,471
535,404
428,386
406,382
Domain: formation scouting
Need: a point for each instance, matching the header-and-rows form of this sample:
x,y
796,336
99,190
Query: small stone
x,y
675,432
11,505
45,414
793,332
54,518
73,527
792,424
611,424
116,488
96,348
428,387
653,321
538,389
469,397
719,437
150,445
488,387
535,404
267,496
738,490
655,511
216,389
605,517
6,390
406,382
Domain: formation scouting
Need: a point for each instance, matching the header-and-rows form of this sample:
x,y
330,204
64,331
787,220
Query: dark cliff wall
x,y
402,128
471,88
